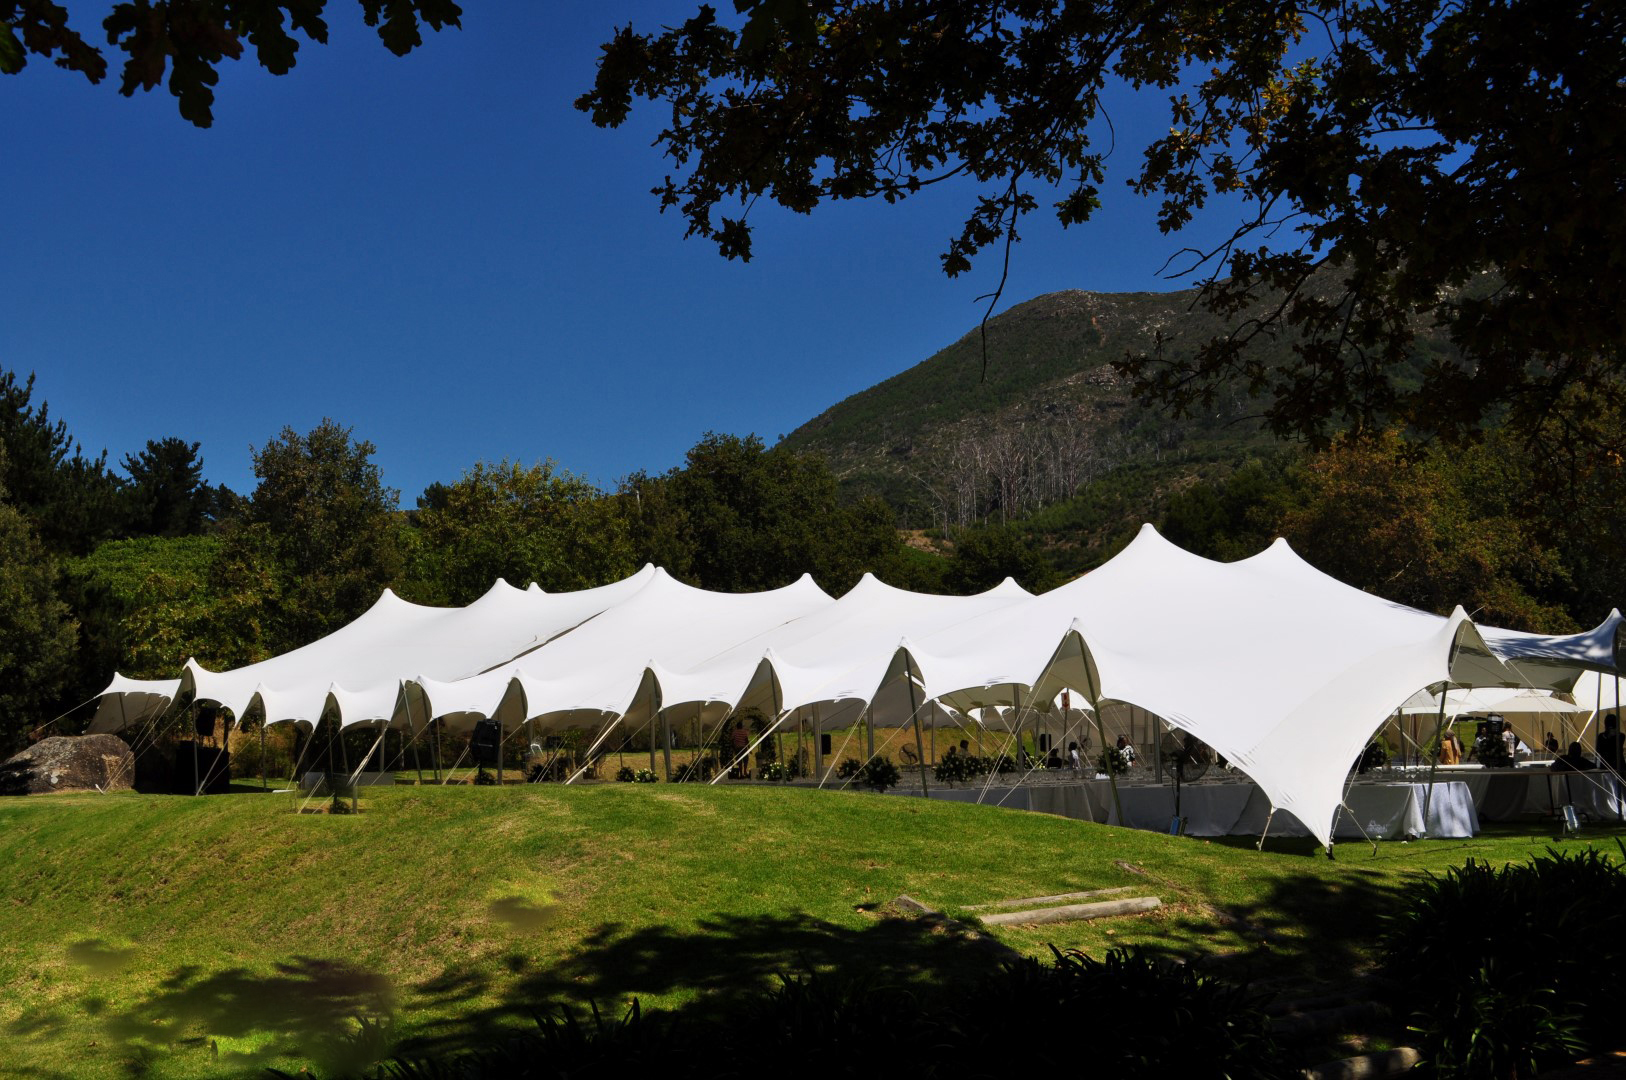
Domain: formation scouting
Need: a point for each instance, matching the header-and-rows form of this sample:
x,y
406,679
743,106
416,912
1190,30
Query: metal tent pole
x,y
1434,759
263,784
920,748
666,743
818,746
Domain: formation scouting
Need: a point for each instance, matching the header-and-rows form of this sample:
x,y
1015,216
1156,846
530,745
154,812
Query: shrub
x,y
1155,1018
483,778
774,770
848,769
954,768
879,774
624,775
1510,969
644,776
1112,762
695,772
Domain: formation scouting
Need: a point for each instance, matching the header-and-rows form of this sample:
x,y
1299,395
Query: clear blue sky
x,y
439,251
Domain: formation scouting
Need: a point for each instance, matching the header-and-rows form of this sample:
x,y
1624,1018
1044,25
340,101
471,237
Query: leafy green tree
x,y
522,523
321,522
1414,529
1235,517
71,499
189,38
1401,165
985,555
37,635
166,494
740,517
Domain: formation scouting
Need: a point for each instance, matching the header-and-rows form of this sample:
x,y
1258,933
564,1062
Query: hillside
x,y
174,937
946,446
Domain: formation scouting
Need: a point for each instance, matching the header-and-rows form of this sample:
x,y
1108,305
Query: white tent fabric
x,y
1284,670
1196,641
601,668
128,702
1555,662
837,654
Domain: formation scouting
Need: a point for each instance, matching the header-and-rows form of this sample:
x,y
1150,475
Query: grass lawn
x,y
171,936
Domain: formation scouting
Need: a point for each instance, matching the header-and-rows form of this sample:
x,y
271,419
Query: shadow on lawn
x,y
226,1022
1307,926
720,957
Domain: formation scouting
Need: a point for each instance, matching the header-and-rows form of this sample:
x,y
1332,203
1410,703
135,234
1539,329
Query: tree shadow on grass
x,y
719,958
228,1023
1306,926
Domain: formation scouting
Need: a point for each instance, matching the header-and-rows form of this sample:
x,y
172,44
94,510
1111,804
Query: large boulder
x,y
69,763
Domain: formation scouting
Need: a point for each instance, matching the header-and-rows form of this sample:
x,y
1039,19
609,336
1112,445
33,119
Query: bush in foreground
x,y
1509,970
1127,1016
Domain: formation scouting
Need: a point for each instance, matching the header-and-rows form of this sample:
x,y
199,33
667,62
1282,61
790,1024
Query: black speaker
x,y
487,736
824,744
204,722
1044,741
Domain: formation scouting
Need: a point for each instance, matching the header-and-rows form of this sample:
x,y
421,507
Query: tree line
x,y
139,567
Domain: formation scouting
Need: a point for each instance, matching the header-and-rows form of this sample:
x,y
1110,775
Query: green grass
x,y
169,936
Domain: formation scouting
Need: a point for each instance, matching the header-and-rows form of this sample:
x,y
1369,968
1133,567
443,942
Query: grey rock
x,y
69,763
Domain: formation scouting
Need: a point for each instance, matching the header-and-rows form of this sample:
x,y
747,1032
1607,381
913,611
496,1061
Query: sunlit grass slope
x,y
170,936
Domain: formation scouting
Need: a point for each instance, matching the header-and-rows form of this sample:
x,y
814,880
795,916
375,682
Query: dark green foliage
x,y
953,768
878,774
1507,970
524,524
624,774
1493,220
181,45
165,494
38,636
321,519
1157,1020
849,768
72,499
738,517
986,555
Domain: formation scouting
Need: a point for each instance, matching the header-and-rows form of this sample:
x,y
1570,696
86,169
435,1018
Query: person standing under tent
x,y
1550,744
1126,751
1609,744
1450,749
1073,758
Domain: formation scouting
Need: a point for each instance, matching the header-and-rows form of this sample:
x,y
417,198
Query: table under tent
x,y
1280,670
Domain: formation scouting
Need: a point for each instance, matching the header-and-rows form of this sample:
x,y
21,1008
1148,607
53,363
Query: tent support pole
x,y
1101,730
869,717
650,727
1261,845
1434,759
666,743
263,784
818,746
434,727
502,738
920,747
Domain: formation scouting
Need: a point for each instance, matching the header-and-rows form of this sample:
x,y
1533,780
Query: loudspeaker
x,y
484,742
824,743
1044,741
204,722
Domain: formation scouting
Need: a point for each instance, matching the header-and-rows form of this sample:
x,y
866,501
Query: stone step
x,y
1366,1066
1358,1016
1074,912
1041,901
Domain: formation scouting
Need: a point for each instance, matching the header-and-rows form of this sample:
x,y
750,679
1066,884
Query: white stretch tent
x,y
1284,670
1196,641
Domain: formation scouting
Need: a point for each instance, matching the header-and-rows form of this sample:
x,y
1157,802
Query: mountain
x,y
946,446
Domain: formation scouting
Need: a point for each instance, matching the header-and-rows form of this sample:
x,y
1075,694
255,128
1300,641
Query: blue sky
x,y
439,251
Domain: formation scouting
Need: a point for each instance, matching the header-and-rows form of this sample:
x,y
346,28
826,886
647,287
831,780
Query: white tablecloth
x,y
1384,810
